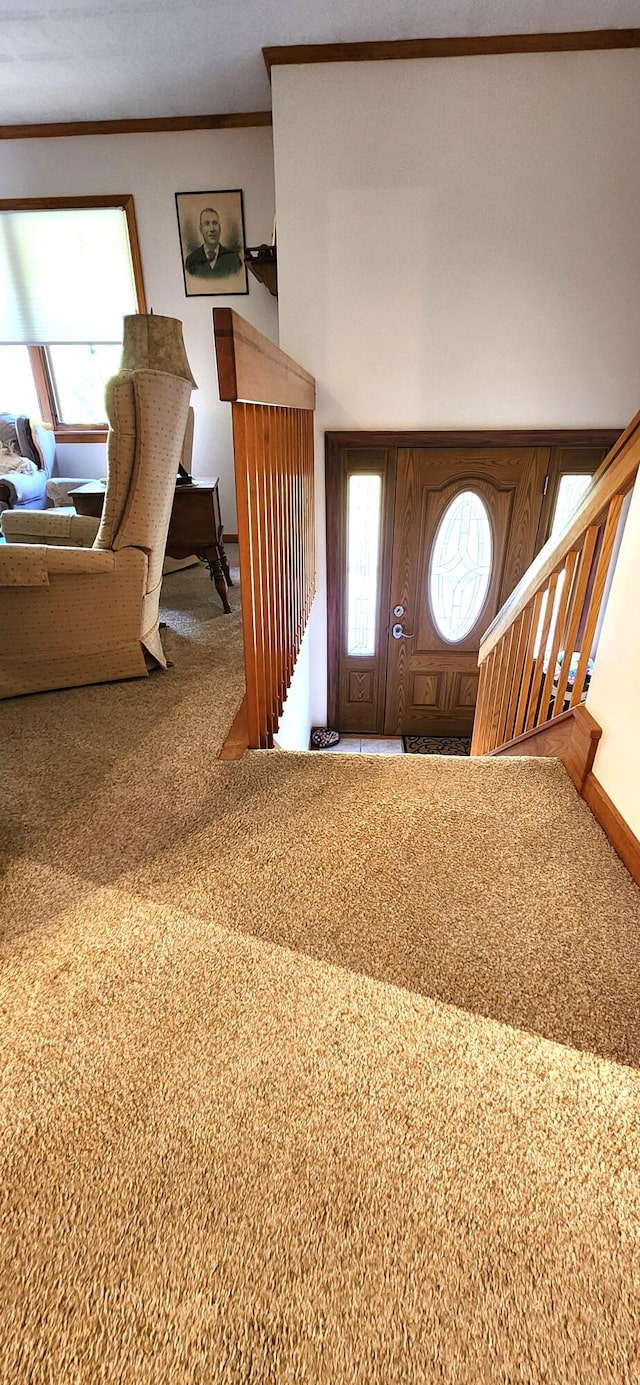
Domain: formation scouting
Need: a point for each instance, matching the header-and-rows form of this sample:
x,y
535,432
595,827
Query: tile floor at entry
x,y
367,745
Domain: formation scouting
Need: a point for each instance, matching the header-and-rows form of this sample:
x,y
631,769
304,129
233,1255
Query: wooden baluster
x,y
558,630
495,657
294,530
257,526
260,538
305,517
300,523
526,685
286,530
502,652
240,449
517,683
604,559
273,587
494,696
576,605
311,507
481,703
277,555
477,737
489,697
507,678
538,674
282,544
291,560
262,460
300,623
282,554
269,530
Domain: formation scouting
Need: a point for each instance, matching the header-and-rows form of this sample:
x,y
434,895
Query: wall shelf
x,y
263,263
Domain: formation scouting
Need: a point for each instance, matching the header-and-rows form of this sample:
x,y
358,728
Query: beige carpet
x,y
315,1068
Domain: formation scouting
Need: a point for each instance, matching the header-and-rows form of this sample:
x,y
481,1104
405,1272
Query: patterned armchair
x,y
63,527
73,615
27,454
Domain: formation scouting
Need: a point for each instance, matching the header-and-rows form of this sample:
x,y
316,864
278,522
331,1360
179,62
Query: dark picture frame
x,y
212,242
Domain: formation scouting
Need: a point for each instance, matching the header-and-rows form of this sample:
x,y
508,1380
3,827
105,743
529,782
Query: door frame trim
x,y
336,442
482,437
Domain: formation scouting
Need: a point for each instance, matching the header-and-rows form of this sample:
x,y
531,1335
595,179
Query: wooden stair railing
x,y
553,615
273,402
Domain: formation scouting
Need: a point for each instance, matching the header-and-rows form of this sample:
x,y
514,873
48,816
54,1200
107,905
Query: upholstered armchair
x,y
73,615
27,455
63,527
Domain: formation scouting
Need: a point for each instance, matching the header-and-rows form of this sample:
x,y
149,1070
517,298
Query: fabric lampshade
x,y
155,343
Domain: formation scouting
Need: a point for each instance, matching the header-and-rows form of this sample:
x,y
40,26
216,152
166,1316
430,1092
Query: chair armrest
x,y
61,561
23,565
33,564
16,487
93,562
50,527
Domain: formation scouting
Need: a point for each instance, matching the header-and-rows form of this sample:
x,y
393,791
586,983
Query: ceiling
x,y
122,59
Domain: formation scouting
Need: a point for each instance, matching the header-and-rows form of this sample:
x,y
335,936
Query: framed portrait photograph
x,y
211,226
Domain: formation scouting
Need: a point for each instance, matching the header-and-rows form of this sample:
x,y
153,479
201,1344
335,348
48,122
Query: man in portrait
x,y
212,260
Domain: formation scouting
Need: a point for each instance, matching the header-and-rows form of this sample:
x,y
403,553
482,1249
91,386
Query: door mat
x,y
437,745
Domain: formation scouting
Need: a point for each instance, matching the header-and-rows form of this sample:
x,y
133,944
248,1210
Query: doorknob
x,y
400,634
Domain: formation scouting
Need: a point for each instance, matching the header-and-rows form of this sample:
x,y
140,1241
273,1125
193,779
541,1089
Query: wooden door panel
x,y
432,682
449,691
434,696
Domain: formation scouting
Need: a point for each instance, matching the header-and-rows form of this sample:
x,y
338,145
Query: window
x,y
69,273
19,394
570,492
363,556
460,568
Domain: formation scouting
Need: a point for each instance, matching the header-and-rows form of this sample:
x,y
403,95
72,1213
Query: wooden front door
x,y
464,534
391,547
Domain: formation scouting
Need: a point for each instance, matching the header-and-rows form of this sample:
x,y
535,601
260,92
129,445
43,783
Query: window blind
x,y
65,276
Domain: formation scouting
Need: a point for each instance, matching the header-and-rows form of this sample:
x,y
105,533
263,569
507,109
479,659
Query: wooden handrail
x,y
552,616
253,370
615,476
272,400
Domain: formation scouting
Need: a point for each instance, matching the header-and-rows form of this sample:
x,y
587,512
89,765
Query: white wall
x,y
458,247
614,695
154,167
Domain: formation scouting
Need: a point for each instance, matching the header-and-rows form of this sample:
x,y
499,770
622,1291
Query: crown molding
x,y
581,41
243,120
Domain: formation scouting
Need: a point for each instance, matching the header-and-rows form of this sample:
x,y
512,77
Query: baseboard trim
x,y
237,741
613,825
571,737
229,538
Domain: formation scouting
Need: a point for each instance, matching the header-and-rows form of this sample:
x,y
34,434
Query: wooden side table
x,y
195,526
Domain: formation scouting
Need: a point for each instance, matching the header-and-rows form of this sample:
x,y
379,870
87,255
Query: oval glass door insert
x,y
460,568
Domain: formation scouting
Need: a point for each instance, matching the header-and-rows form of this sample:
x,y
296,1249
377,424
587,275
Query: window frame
x,y
566,460
66,432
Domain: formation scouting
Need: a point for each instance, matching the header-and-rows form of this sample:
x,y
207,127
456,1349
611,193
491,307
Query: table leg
x,y
225,564
211,558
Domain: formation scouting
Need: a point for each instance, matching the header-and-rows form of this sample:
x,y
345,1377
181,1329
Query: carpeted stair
x,y
315,1067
